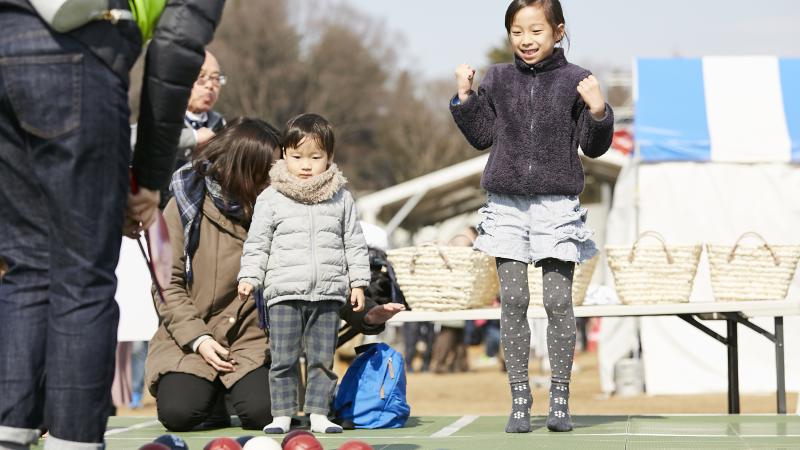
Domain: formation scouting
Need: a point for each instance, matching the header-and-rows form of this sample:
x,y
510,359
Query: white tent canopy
x,y
452,191
718,142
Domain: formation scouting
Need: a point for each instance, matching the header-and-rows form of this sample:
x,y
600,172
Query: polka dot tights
x,y
516,335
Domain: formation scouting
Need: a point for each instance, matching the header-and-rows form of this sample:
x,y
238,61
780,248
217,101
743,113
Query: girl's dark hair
x,y
305,125
240,157
552,11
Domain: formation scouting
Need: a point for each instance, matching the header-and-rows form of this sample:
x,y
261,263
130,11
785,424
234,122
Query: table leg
x,y
780,365
733,367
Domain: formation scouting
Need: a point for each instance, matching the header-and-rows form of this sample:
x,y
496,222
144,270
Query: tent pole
x,y
637,158
404,211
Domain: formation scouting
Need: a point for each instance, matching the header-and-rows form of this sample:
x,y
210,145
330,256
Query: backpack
x,y
373,390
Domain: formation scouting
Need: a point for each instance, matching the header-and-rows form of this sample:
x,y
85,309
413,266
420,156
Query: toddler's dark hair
x,y
305,125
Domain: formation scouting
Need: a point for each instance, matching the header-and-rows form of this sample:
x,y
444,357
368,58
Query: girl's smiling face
x,y
531,36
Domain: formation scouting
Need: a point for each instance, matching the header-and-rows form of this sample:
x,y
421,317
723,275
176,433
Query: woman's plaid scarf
x,y
189,189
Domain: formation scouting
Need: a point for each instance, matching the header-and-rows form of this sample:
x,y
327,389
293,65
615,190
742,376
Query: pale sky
x,y
440,34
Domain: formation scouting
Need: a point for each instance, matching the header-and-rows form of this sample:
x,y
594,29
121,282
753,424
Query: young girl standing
x,y
534,113
306,249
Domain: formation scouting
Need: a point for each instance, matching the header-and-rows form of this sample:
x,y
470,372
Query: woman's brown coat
x,y
210,305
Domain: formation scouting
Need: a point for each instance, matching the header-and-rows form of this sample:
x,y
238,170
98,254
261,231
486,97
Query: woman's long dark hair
x,y
240,157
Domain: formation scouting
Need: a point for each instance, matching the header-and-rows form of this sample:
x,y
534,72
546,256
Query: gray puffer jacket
x,y
305,242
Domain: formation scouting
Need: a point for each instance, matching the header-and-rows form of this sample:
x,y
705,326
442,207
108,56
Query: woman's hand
x,y
464,76
245,289
381,313
589,88
357,298
216,356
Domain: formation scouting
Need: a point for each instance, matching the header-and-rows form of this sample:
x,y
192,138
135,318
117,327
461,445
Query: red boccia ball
x,y
223,444
303,442
355,444
289,436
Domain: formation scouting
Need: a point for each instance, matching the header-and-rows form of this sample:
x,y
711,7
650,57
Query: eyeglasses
x,y
216,80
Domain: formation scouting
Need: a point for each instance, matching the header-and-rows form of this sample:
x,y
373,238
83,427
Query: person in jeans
x,y
64,166
138,358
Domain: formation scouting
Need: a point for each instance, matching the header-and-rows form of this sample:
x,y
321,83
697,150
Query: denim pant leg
x,y
138,358
319,341
64,152
410,338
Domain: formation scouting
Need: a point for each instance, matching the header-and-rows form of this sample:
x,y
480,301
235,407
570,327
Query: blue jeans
x,y
64,153
491,334
138,358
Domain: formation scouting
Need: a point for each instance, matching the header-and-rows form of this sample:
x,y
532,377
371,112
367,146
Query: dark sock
x,y
558,418
521,399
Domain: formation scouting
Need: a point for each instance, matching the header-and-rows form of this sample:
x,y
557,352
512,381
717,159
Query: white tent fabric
x,y
758,132
138,318
618,337
716,203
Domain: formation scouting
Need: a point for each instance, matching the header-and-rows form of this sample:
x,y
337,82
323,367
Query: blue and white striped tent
x,y
720,109
696,121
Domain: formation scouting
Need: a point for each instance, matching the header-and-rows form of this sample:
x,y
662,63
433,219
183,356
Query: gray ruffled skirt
x,y
536,227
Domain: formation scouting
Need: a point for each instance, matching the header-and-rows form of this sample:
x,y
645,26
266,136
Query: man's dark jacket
x,y
173,61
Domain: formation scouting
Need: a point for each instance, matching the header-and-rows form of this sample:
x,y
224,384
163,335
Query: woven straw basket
x,y
653,273
435,278
580,282
747,272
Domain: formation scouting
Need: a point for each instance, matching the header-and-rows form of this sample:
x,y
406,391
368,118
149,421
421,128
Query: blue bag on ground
x,y
373,390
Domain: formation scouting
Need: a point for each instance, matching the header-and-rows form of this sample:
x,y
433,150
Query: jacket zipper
x,y
533,73
531,107
313,253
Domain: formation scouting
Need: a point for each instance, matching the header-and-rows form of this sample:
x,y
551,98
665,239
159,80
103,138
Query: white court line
x,y
696,435
457,425
732,428
628,425
132,427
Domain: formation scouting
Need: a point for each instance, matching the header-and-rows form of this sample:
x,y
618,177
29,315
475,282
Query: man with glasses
x,y
201,121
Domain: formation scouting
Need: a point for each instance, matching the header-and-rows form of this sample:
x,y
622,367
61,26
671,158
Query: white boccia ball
x,y
261,443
